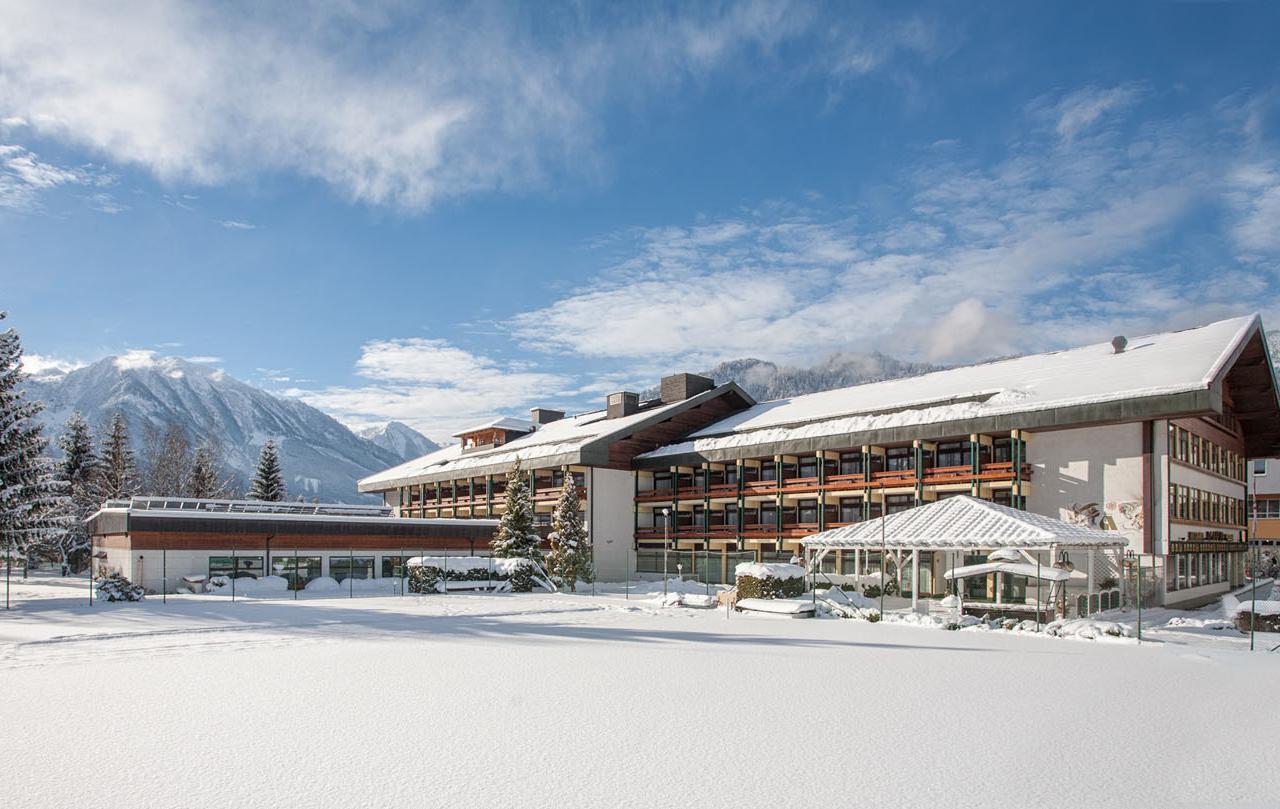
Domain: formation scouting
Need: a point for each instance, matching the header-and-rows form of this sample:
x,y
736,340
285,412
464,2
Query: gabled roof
x,y
501,423
1168,374
581,439
964,522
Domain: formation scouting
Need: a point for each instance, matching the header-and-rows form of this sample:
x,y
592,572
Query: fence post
x,y
164,576
234,570
297,578
351,569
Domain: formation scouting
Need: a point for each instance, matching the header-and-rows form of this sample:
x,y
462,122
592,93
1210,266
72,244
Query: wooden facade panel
x,y
199,540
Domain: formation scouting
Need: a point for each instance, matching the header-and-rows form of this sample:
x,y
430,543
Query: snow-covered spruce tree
x,y
516,538
570,557
34,508
268,480
207,480
167,460
78,468
117,476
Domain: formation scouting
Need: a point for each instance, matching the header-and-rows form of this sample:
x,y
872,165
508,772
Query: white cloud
x,y
388,104
43,366
203,359
1256,196
24,177
1061,237
233,224
135,358
432,386
1079,110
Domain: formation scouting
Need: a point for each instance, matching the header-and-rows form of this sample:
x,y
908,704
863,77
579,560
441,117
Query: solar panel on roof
x,y
256,507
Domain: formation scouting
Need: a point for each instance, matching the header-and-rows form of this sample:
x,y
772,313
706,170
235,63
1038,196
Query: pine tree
x,y
78,468
117,477
268,480
570,556
33,503
516,538
167,459
207,480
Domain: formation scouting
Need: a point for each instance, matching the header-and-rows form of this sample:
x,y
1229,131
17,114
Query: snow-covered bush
x,y
1087,629
756,580
1264,616
427,573
841,604
115,587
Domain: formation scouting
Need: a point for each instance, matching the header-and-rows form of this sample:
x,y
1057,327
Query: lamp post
x,y
666,546
1137,587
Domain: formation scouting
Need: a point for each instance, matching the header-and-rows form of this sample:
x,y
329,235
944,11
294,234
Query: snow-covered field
x,y
574,700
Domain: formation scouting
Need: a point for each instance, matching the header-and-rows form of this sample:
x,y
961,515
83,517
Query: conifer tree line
x,y
44,502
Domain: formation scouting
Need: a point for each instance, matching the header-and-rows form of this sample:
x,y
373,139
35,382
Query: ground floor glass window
x,y
235,566
297,569
356,567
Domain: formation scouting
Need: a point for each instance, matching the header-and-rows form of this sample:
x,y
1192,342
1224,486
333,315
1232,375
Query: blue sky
x,y
437,212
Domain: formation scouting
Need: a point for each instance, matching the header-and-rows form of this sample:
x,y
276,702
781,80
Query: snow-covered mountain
x,y
321,457
400,440
765,380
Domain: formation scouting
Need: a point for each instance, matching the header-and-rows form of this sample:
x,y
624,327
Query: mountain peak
x,y
320,456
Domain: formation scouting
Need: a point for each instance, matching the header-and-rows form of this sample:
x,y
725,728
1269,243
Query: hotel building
x,y
1149,437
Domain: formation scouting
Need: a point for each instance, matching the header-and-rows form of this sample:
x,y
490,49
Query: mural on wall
x,y
1125,515
1086,515
1128,514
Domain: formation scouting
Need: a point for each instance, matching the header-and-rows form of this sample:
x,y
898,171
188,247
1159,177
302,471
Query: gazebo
x,y
967,524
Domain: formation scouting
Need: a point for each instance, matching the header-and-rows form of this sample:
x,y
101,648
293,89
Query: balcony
x,y
894,477
800,484
654,495
948,474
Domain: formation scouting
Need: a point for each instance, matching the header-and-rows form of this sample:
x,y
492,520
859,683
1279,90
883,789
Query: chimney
x,y
623,403
1118,343
678,387
541,415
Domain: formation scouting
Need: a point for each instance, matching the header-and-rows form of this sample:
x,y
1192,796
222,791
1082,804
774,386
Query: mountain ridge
x,y
322,458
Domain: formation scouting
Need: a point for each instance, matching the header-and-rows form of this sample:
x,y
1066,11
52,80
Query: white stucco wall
x,y
1090,475
611,522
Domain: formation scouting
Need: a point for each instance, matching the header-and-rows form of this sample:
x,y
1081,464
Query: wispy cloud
x,y
25,178
233,224
388,104
43,366
1067,237
431,385
1081,109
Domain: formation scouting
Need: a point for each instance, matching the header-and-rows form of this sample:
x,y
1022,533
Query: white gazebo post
x,y
1088,599
915,579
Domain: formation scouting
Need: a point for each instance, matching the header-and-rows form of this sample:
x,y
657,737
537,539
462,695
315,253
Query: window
x,y
954,453
731,475
851,463
1259,467
768,471
236,566
850,510
356,567
900,459
662,481
390,563
297,569
808,512
1002,450
808,468
899,502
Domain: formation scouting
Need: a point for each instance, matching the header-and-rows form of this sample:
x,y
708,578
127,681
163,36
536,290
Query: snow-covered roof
x,y
1152,365
499,423
964,522
1043,572
559,442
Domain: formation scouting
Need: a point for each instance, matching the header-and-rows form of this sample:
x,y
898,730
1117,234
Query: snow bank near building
x,y
248,586
1088,629
758,570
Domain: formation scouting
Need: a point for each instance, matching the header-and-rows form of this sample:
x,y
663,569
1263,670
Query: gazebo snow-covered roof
x,y
964,522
